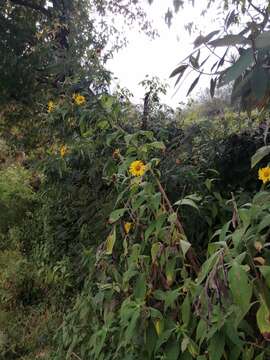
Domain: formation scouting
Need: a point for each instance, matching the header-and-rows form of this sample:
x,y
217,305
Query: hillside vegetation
x,y
131,232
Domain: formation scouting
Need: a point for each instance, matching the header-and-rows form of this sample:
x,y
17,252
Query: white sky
x,y
160,57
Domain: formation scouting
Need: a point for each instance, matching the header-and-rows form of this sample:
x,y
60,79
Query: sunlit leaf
x,y
259,155
263,321
188,202
116,215
110,242
185,246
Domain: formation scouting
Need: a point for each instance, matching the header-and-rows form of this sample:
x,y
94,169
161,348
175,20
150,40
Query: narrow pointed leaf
x,y
240,287
195,82
179,70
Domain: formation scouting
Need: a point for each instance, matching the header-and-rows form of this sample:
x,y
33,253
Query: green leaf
x,y
155,201
157,145
155,249
100,340
140,287
265,271
206,267
110,241
150,230
186,356
193,348
131,329
259,155
185,246
240,287
188,202
232,333
233,72
169,297
237,236
224,230
195,82
263,320
172,218
164,337
184,344
216,346
186,310
248,353
263,40
172,351
116,215
265,223
260,357
150,341
201,331
229,40
234,352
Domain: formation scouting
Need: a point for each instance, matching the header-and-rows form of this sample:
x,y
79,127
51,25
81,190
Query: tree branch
x,y
260,11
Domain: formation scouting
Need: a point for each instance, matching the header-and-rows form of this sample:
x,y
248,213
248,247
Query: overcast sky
x,y
159,57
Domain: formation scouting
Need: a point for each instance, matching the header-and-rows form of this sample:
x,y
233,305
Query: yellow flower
x,y
79,99
137,168
63,150
127,227
51,106
264,174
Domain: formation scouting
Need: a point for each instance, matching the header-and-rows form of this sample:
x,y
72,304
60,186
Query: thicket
x,y
129,233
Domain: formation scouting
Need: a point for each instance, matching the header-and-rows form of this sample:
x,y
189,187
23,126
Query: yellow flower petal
x,y
264,174
137,168
79,99
51,106
63,150
127,227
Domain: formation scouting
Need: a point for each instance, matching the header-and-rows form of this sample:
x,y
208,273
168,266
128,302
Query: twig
x,y
76,356
256,8
219,57
205,73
